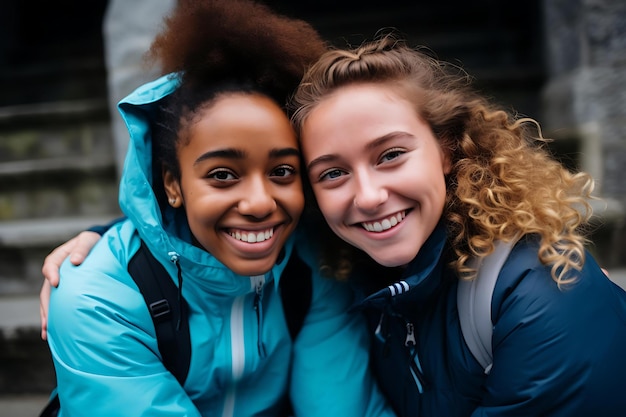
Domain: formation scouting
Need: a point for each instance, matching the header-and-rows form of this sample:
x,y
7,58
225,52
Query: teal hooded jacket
x,y
103,340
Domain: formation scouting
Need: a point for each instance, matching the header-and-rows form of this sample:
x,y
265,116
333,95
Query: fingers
x,y
85,241
44,302
76,249
50,271
53,261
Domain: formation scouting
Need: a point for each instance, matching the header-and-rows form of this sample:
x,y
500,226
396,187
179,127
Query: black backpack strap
x,y
296,291
168,311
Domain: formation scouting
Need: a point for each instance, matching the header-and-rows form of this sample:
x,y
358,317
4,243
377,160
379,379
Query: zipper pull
x,y
410,335
258,281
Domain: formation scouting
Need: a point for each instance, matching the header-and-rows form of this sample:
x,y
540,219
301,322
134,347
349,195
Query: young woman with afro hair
x,y
212,187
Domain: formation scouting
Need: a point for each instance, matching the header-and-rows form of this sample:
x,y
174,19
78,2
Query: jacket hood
x,y
164,229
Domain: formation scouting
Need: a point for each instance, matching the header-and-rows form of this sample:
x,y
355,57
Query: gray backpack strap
x,y
474,303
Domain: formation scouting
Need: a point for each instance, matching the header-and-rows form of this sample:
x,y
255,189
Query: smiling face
x,y
377,171
240,183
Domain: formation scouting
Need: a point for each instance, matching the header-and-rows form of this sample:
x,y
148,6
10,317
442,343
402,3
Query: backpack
x,y
169,309
474,303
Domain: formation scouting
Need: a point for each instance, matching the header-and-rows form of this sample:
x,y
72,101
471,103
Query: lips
x,y
385,223
251,236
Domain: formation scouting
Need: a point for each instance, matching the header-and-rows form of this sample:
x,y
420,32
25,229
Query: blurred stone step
x,y
25,361
25,243
22,405
52,195
55,130
18,315
54,111
56,159
49,231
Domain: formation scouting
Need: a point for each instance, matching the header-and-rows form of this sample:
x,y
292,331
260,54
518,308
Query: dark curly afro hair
x,y
210,40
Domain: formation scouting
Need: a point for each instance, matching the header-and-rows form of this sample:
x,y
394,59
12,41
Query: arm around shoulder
x,y
103,346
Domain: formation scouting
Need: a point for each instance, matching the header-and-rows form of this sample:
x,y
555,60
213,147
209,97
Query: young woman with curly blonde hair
x,y
423,175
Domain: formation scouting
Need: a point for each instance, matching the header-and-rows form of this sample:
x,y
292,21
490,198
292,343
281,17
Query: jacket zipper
x,y
237,340
258,282
415,366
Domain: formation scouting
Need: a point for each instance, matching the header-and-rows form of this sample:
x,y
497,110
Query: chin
x,y
251,268
391,262
388,258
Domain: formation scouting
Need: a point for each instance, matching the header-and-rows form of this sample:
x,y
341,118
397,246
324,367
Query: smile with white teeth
x,y
252,236
384,224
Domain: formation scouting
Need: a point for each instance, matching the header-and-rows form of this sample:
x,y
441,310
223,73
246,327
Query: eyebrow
x,y
228,153
232,153
321,160
371,145
279,153
386,138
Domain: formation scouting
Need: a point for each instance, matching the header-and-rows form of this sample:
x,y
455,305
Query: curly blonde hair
x,y
504,184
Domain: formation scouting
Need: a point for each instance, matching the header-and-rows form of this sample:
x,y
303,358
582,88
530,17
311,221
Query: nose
x,y
257,200
369,194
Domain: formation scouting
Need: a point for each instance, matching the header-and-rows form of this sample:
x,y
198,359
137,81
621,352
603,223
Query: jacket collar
x,y
421,279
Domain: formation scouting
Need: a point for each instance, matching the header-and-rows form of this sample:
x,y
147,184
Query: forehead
x,y
361,107
243,119
241,107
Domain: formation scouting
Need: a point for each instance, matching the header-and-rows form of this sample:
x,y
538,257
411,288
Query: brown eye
x,y
221,175
283,171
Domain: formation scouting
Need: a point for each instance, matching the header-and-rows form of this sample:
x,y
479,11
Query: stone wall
x,y
584,102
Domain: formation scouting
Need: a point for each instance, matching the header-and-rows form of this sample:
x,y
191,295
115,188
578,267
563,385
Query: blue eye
x,y
331,174
391,154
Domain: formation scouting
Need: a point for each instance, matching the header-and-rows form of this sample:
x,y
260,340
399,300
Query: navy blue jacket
x,y
557,352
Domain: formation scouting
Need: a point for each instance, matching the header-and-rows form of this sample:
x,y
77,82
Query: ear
x,y
172,189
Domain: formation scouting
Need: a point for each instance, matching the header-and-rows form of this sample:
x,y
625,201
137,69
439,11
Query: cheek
x,y
291,197
202,207
296,202
435,189
439,197
329,203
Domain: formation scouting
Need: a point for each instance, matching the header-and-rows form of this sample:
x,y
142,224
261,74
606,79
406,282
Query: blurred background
x,y
64,64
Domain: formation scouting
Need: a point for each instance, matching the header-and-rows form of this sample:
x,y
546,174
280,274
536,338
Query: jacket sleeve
x,y
557,351
104,350
330,374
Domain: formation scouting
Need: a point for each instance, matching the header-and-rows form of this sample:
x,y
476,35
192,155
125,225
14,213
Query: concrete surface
x,y
619,277
22,405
